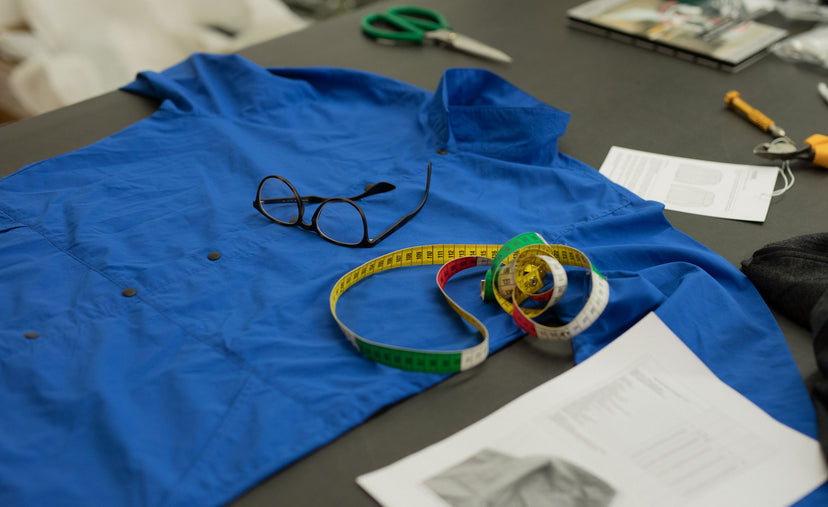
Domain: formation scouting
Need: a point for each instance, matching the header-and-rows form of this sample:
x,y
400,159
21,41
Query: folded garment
x,y
792,274
819,326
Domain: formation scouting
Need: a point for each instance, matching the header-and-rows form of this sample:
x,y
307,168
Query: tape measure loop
x,y
524,269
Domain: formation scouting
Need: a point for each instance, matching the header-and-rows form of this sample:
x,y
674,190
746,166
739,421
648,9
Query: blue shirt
x,y
210,375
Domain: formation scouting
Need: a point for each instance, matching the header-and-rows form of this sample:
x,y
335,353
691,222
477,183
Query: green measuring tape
x,y
516,276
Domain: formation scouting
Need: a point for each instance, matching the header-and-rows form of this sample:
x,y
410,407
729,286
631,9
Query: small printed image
x,y
495,479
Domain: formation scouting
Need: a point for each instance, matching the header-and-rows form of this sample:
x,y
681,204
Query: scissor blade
x,y
467,44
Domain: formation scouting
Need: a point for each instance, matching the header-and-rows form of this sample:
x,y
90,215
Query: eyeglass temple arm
x,y
370,189
405,218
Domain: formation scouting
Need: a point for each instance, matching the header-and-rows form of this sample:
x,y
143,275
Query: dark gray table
x,y
617,94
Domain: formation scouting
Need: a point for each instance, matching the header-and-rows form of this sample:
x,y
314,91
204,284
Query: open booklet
x,y
690,30
642,422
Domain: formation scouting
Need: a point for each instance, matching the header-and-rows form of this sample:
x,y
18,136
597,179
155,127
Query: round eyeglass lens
x,y
341,221
279,201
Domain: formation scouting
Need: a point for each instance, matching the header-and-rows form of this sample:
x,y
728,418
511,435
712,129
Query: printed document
x,y
735,191
642,422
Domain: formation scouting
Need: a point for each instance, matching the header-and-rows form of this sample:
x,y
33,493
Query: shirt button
x,y
214,256
129,292
31,335
442,151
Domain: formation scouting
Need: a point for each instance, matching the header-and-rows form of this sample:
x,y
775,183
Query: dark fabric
x,y
791,274
819,328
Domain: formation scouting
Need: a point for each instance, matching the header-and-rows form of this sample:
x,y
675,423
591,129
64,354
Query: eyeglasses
x,y
342,220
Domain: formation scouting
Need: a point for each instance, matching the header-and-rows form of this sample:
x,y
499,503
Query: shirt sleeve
x,y
206,84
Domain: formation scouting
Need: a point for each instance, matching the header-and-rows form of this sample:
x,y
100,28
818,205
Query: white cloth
x,y
84,48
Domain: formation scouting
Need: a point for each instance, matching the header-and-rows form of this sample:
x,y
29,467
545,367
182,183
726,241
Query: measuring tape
x,y
518,280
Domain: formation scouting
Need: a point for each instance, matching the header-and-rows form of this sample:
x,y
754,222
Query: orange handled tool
x,y
819,145
735,102
814,150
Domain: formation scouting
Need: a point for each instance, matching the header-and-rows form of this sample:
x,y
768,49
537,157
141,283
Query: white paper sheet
x,y
735,191
645,416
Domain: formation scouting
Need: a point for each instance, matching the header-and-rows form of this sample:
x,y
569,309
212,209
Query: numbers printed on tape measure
x,y
517,273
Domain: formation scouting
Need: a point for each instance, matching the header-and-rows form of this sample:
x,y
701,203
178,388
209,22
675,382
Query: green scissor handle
x,y
409,23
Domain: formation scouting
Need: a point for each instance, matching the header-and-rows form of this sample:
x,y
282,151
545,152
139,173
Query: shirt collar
x,y
476,110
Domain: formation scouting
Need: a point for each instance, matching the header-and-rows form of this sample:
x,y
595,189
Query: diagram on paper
x,y
740,192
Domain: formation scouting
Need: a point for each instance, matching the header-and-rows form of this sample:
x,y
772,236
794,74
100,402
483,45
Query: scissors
x,y
416,25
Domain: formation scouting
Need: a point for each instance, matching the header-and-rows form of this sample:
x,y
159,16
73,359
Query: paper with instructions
x,y
642,422
739,192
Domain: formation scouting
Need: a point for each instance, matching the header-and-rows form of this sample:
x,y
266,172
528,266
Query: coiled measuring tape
x,y
517,279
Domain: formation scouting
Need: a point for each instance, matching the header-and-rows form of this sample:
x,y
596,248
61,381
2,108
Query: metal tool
x,y
734,101
814,150
416,25
782,147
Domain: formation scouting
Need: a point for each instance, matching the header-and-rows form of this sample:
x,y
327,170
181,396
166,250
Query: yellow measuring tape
x,y
520,272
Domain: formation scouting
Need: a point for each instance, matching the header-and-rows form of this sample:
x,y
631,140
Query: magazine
x,y
697,31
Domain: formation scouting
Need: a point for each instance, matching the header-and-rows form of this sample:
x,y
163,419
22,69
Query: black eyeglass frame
x,y
301,200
